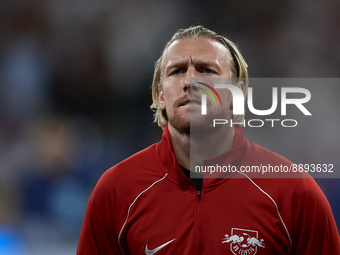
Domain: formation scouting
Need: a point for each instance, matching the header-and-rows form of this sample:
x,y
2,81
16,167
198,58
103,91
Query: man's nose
x,y
191,73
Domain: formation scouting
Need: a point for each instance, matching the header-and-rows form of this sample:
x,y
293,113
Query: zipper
x,y
200,241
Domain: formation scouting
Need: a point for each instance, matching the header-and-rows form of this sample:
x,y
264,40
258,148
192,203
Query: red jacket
x,y
146,205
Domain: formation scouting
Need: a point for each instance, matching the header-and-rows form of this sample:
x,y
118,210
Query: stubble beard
x,y
182,126
197,125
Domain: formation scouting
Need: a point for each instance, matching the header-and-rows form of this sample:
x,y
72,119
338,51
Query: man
x,y
150,204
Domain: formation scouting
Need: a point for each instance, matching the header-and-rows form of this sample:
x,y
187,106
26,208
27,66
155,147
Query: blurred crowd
x,y
75,81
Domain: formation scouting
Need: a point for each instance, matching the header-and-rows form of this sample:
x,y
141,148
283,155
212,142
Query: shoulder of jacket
x,y
264,155
137,170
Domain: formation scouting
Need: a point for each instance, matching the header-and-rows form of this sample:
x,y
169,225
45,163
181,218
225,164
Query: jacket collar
x,y
231,157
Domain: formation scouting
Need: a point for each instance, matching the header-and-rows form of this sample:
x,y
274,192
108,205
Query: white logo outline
x,y
153,251
243,241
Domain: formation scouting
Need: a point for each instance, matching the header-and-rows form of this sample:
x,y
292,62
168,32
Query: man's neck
x,y
189,150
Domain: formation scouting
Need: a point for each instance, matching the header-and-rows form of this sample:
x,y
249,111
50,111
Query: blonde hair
x,y
197,32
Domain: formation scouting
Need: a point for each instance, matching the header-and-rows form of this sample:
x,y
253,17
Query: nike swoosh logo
x,y
151,252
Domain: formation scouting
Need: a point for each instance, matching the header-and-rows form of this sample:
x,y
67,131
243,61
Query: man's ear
x,y
161,99
240,85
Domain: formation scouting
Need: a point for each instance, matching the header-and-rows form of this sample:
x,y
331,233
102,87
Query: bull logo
x,y
243,241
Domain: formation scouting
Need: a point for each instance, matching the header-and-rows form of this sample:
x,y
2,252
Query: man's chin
x,y
181,127
201,126
194,125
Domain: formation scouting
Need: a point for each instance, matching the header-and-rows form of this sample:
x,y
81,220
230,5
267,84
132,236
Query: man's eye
x,y
206,70
177,71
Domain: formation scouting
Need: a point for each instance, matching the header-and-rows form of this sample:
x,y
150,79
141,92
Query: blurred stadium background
x,y
75,93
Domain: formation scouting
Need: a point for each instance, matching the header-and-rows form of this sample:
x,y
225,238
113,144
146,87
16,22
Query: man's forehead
x,y
195,49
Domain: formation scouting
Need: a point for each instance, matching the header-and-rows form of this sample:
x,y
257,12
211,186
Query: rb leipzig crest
x,y
243,241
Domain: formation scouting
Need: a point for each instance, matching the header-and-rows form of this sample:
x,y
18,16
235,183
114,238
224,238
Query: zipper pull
x,y
198,193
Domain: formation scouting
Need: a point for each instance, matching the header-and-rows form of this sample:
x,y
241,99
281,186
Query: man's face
x,y
192,58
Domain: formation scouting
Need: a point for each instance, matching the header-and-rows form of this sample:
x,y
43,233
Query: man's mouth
x,y
191,103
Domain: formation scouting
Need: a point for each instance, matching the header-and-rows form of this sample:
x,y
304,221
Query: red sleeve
x,y
98,235
315,230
